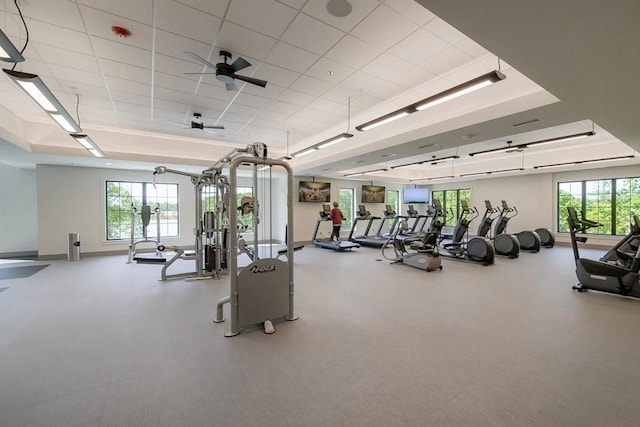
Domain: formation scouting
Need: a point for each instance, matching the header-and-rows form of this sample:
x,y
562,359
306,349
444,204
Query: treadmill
x,y
364,239
339,246
389,213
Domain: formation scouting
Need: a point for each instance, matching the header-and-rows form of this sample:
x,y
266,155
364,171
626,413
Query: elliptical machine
x,y
529,240
476,249
504,244
599,275
424,256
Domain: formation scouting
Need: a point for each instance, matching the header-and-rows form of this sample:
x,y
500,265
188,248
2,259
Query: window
x,y
347,197
121,196
450,200
611,202
393,199
247,219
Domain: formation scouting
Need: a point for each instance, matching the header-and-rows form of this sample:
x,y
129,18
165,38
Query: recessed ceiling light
x,y
528,122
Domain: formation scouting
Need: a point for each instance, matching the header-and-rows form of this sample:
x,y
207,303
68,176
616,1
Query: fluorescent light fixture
x,y
492,172
408,164
8,52
365,172
432,161
88,143
463,89
581,162
439,98
432,178
533,143
562,138
391,117
33,86
334,140
304,152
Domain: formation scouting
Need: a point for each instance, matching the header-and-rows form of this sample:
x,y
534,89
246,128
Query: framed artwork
x,y
373,194
312,191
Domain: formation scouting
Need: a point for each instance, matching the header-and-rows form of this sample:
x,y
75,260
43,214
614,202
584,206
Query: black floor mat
x,y
20,272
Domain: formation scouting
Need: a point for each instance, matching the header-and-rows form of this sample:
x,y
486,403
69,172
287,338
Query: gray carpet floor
x,y
101,343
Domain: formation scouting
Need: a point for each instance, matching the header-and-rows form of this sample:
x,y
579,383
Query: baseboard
x,y
21,254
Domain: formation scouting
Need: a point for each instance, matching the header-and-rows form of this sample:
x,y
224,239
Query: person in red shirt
x,y
336,220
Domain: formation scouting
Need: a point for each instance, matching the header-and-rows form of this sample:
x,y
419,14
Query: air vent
x,y
384,156
528,122
429,145
325,169
357,162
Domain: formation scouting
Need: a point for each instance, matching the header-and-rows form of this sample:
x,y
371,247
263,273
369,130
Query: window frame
x,y
348,213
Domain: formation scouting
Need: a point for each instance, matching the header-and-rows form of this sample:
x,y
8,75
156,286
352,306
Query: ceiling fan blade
x,y
200,59
197,74
231,86
213,127
239,64
196,125
251,80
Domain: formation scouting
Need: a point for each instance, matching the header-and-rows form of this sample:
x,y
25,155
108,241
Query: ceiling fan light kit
x,y
225,72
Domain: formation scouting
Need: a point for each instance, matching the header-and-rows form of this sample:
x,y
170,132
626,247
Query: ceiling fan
x,y
197,123
226,72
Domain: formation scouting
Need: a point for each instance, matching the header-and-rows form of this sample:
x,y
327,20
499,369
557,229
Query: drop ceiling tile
x,y
122,85
216,8
353,52
125,71
175,46
119,52
208,104
125,109
174,82
48,34
271,91
282,107
267,123
387,67
385,91
252,100
276,75
171,105
241,41
415,76
297,123
175,66
186,21
384,28
361,81
253,14
420,46
90,100
445,31
211,88
60,56
82,77
272,116
329,71
34,67
472,48
447,60
296,98
296,4
339,94
64,13
310,85
139,10
99,24
292,58
244,110
338,109
130,98
411,10
312,35
360,9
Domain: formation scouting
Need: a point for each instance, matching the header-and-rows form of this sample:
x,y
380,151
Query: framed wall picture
x,y
312,191
373,194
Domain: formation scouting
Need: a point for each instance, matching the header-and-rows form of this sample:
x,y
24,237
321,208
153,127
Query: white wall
x,y
306,214
18,210
72,199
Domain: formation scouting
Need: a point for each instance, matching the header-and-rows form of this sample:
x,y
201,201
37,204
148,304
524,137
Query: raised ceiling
x,y
326,75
